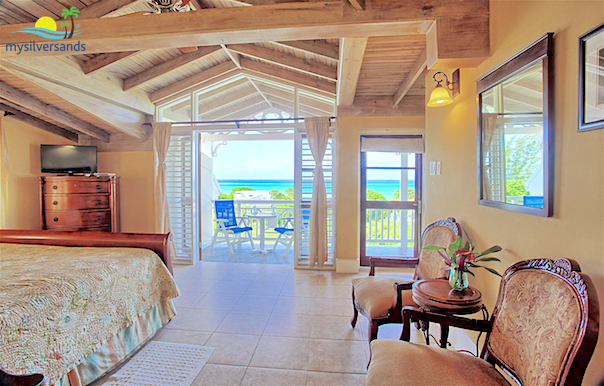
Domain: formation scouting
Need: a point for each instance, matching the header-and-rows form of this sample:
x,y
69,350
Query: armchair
x,y
543,333
228,225
381,298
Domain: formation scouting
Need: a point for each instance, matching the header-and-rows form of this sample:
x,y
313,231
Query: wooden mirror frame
x,y
540,51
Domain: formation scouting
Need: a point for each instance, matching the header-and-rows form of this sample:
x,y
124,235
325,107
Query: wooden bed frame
x,y
158,243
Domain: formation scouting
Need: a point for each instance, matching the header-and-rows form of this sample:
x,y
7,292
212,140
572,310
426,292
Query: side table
x,y
436,295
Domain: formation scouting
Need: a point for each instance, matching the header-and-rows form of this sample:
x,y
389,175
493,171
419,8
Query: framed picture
x,y
591,79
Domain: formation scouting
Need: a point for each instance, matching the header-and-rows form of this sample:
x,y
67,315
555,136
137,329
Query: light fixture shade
x,y
439,97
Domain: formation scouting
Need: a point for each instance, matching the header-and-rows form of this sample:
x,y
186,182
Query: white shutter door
x,y
303,184
181,183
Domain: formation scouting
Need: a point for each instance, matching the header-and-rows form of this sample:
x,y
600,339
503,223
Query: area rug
x,y
162,364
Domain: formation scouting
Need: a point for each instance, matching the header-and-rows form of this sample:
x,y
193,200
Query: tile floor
x,y
271,325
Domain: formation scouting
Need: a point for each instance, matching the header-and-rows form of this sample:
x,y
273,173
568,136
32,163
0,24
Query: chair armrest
x,y
414,313
392,262
400,286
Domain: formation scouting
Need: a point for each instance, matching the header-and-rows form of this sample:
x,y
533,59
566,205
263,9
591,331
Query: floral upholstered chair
x,y
381,298
542,333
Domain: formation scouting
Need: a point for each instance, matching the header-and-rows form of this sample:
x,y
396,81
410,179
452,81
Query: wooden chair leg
x,y
373,329
355,312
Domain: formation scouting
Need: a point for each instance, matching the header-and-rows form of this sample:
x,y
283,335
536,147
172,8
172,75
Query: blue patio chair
x,y
227,225
286,234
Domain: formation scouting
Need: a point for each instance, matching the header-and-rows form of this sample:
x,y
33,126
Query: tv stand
x,y
79,203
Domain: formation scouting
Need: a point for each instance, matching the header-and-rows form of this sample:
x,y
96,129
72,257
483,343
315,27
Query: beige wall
x,y
135,170
576,230
348,164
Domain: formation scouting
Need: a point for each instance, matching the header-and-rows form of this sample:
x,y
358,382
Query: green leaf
x,y
471,273
432,248
488,259
492,271
493,249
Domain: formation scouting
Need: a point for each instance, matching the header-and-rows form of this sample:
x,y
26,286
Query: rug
x,y
162,364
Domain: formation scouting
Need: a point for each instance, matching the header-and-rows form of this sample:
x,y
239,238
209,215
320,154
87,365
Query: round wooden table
x,y
436,295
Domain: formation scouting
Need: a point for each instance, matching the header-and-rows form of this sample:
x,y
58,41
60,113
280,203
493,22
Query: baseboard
x,y
347,266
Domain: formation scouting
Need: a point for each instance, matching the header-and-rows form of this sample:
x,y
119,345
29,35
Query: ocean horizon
x,y
385,187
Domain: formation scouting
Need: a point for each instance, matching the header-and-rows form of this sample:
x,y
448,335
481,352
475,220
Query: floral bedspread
x,y
59,304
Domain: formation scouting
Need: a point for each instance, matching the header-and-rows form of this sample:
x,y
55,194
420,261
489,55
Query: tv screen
x,y
68,159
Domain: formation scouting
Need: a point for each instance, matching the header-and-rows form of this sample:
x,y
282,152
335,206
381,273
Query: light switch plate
x,y
432,168
438,168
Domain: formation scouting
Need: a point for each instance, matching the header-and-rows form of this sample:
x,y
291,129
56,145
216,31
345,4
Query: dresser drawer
x,y
76,186
105,228
76,201
84,218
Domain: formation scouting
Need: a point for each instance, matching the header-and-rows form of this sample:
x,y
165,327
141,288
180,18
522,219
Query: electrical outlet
x,y
432,168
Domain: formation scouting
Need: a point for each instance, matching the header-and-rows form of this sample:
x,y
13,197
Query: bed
x,y
73,305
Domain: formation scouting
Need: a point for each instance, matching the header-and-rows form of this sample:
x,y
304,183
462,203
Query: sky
x,y
255,160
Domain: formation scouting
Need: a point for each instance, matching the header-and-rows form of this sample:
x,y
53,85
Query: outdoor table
x,y
262,217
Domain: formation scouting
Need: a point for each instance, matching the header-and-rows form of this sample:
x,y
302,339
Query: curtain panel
x,y
161,144
317,133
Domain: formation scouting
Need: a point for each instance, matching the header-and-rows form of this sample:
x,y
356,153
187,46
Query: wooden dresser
x,y
79,203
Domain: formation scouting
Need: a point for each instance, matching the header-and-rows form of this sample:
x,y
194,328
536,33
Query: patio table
x,y
262,218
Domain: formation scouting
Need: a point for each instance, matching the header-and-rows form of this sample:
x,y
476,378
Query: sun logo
x,y
47,27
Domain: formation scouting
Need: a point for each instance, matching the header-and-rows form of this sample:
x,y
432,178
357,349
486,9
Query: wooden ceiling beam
x,y
104,7
21,98
167,66
17,13
352,51
359,5
417,69
291,76
226,100
237,111
103,60
40,124
222,89
260,91
315,47
284,60
192,81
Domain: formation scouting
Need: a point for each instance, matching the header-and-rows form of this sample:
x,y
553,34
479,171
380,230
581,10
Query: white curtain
x,y
3,176
161,143
493,169
317,133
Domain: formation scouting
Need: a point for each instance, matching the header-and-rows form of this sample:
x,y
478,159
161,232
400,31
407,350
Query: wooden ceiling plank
x,y
417,69
192,81
104,7
315,47
52,5
40,124
29,102
103,60
352,51
291,76
17,13
238,112
234,56
67,73
222,89
225,100
382,106
167,66
359,5
260,92
37,10
281,59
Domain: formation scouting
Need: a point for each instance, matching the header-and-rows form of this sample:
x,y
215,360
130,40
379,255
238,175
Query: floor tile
x,y
264,289
255,303
219,375
334,307
299,290
281,353
335,327
273,377
217,301
334,291
291,325
199,320
244,323
232,349
337,356
295,305
230,287
198,338
314,378
188,299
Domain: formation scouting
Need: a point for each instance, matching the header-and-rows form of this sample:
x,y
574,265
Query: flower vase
x,y
458,279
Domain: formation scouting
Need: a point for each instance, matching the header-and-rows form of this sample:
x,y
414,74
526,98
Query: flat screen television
x,y
68,159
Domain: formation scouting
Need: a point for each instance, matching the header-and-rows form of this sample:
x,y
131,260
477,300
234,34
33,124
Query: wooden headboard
x,y
158,243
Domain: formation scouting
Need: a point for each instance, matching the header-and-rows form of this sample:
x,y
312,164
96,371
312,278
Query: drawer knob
x,y
55,203
55,219
98,186
54,187
99,202
99,217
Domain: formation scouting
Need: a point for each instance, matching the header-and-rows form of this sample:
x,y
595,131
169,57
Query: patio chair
x,y
286,234
543,332
381,298
227,225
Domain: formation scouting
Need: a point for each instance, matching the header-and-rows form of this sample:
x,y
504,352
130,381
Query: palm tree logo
x,y
73,11
65,24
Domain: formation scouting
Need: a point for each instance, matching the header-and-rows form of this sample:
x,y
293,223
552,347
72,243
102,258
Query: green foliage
x,y
515,188
277,195
410,194
372,195
522,156
229,196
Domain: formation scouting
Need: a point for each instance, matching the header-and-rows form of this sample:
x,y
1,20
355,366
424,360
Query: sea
x,y
386,187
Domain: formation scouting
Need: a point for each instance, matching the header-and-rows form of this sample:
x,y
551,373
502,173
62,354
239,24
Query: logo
x,y
46,27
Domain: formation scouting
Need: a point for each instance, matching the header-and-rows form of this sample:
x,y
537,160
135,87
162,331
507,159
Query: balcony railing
x,y
390,226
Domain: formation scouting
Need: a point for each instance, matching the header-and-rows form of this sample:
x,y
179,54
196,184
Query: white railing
x,y
284,207
389,226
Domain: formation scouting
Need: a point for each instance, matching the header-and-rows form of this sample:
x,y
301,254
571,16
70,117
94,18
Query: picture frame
x,y
591,79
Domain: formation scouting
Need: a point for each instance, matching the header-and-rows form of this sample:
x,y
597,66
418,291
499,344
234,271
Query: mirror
x,y
515,132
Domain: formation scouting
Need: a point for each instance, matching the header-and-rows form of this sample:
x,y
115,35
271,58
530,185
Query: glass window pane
x,y
385,185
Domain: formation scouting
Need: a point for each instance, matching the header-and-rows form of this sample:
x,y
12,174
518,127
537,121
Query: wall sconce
x,y
440,95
